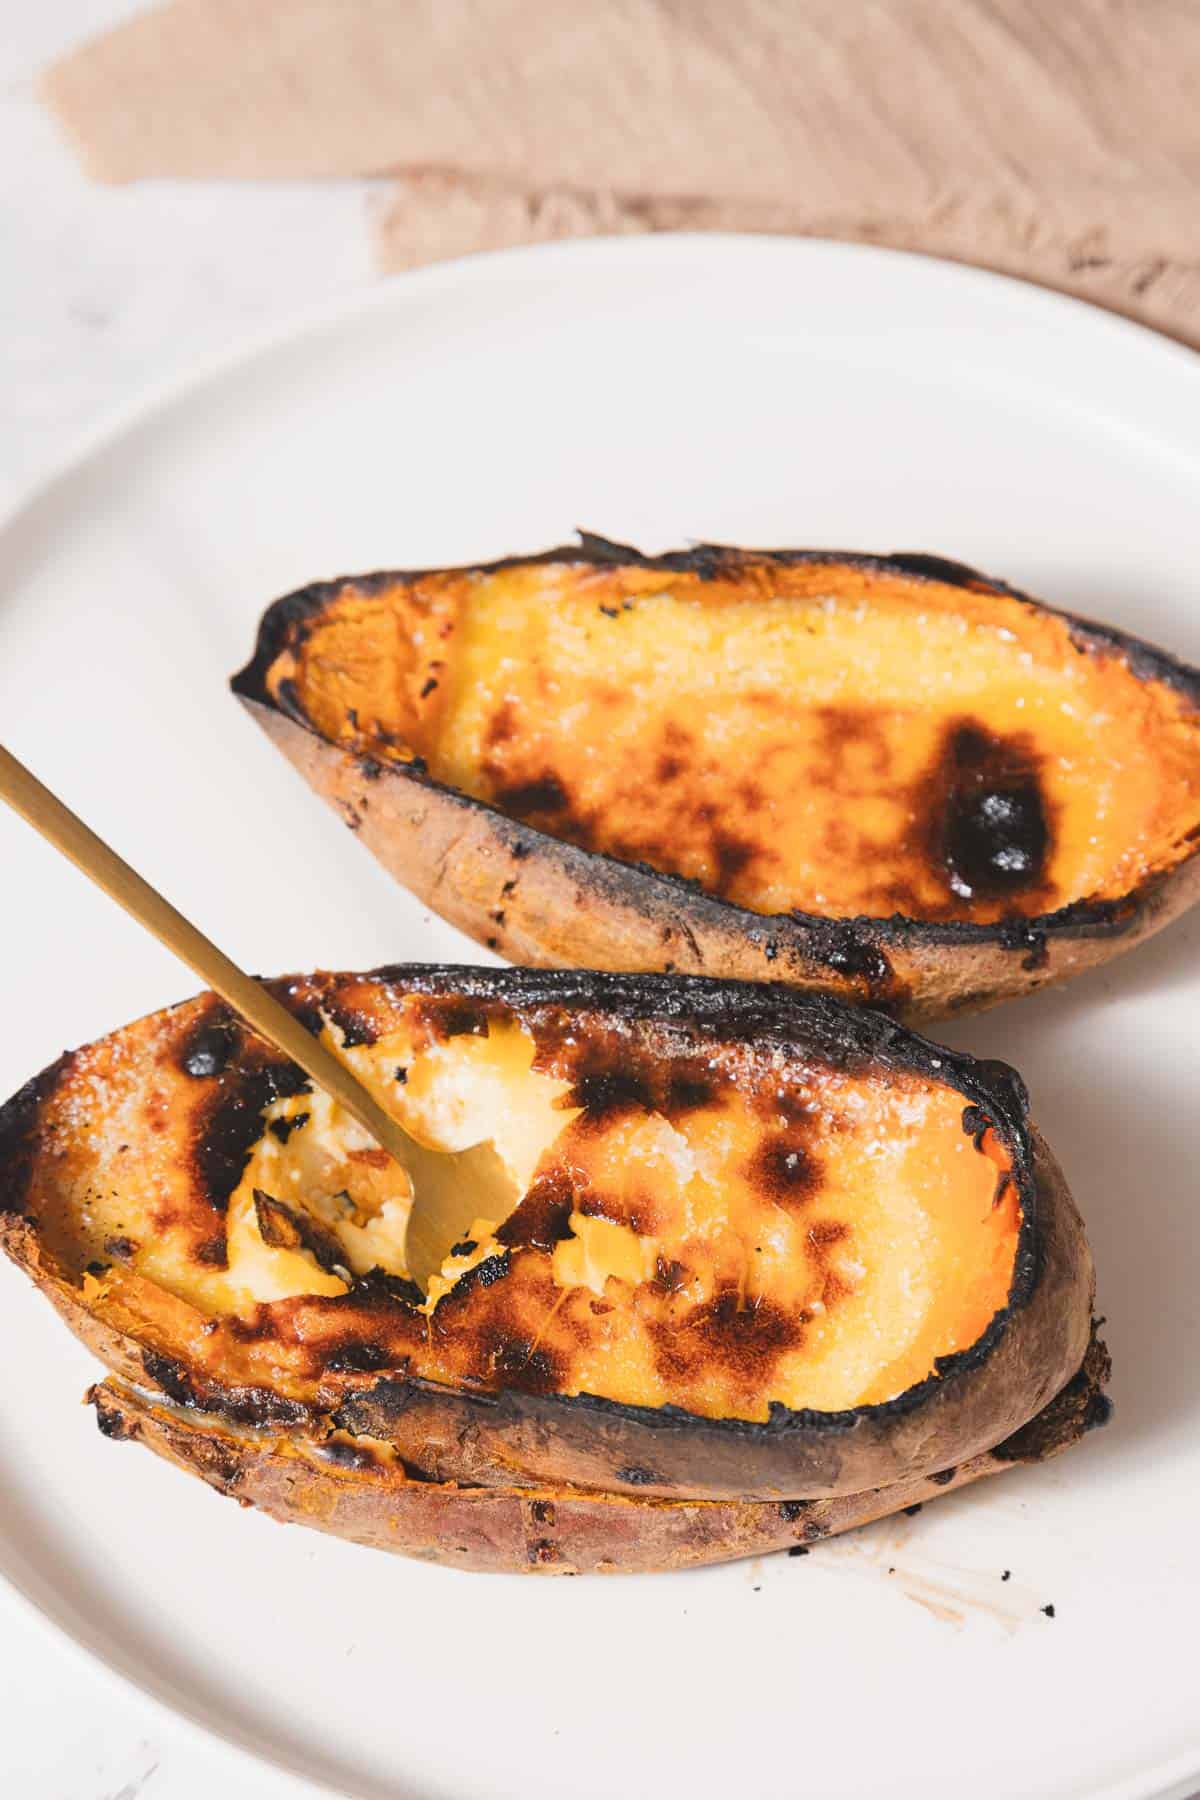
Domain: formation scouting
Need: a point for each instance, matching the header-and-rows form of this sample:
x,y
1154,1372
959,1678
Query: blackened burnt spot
x,y
791,1510
258,1406
377,1408
543,1217
356,1027
213,1252
357,1358
170,1376
603,1092
976,1124
369,768
944,1477
525,798
634,1475
401,1075
121,1249
232,1124
377,1285
989,830
283,1128
784,1171
306,1013
543,1512
288,1228
1098,1412
110,1421
485,1274
514,1361
452,1016
1018,934
840,947
210,1046
743,1339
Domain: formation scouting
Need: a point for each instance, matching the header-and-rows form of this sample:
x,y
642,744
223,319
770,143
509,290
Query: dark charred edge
x,y
284,621
20,1120
252,1406
856,948
845,1036
727,1011
739,1011
824,940
1079,1407
112,1420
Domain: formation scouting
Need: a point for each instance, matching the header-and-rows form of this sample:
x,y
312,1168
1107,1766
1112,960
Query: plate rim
x,y
149,400
149,403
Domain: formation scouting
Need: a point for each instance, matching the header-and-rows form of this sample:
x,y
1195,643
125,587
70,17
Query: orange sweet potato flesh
x,y
975,792
763,1243
789,741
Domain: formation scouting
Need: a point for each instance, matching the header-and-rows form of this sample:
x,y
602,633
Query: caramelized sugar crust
x,y
720,1216
831,737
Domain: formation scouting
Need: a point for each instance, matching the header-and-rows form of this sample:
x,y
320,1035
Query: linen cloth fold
x,y
1056,142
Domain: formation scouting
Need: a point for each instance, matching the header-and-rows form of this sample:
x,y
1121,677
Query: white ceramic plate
x,y
751,391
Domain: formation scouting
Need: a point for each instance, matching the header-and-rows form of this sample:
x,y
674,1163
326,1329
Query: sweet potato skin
x,y
514,1436
544,902
506,1433
354,1491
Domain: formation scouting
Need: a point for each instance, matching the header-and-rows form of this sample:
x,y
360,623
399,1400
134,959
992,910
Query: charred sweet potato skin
x,y
504,872
197,1088
359,1489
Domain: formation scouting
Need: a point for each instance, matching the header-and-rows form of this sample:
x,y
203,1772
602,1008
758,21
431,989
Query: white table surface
x,y
106,293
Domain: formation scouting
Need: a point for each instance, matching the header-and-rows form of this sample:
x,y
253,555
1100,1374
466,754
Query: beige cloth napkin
x,y
1057,139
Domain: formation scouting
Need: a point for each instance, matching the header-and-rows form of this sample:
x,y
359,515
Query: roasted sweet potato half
x,y
890,778
358,1488
766,1246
